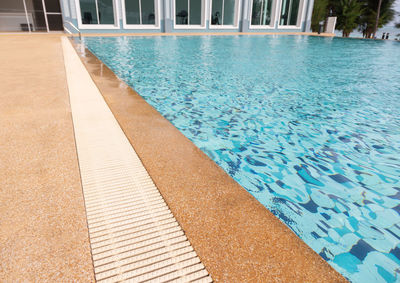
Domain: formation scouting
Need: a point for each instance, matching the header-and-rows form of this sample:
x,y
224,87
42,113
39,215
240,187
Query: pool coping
x,y
212,208
205,33
124,209
94,34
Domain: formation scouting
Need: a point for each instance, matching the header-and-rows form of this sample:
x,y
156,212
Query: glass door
x,y
261,13
36,15
53,14
30,16
189,12
97,12
13,16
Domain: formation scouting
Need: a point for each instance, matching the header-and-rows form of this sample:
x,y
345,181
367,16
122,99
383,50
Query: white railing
x,y
72,25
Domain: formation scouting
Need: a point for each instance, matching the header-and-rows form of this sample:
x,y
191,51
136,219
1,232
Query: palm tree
x,y
348,13
370,15
319,14
377,17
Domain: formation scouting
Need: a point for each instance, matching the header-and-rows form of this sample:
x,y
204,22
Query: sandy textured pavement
x,y
43,232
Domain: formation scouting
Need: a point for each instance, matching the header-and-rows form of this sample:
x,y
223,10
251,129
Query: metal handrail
x,y
71,24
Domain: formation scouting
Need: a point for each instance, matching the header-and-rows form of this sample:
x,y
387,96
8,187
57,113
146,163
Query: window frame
x,y
300,16
203,17
274,15
238,5
97,26
157,12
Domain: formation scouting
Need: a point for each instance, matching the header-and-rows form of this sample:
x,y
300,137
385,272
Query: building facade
x,y
133,16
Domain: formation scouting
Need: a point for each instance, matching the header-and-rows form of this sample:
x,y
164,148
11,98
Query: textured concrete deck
x,y
43,231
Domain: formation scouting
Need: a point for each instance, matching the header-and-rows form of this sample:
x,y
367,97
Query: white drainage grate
x,y
133,235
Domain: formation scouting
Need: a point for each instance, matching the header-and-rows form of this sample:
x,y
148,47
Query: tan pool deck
x,y
43,229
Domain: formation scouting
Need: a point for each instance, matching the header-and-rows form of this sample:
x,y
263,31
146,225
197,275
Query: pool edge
x,y
212,208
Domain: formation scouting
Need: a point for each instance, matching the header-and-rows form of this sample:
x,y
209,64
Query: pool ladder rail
x,y
74,27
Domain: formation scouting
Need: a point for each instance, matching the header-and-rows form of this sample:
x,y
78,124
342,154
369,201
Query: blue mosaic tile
x,y
339,178
361,249
310,126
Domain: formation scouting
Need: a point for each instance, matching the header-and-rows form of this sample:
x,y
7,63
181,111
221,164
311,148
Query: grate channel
x,y
133,234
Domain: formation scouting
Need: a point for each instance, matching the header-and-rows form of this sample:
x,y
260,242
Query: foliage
x,y
320,12
368,17
348,14
361,14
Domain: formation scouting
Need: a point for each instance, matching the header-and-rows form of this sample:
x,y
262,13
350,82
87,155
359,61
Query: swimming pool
x,y
309,126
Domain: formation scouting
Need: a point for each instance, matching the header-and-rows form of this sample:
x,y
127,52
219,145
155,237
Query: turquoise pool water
x,y
309,126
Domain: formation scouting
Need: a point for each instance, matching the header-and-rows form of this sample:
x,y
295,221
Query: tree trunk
x,y
377,17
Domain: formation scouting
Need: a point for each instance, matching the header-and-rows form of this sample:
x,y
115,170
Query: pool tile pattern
x,y
312,149
211,207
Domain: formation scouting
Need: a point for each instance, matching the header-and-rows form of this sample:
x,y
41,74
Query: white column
x,y
245,19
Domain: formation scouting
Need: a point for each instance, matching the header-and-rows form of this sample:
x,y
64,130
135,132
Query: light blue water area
x,y
309,126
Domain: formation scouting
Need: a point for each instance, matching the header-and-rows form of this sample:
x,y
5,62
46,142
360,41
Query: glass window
x,y
188,12
290,12
36,13
106,12
132,12
182,12
223,12
33,16
229,12
261,13
195,12
53,13
94,12
13,17
88,12
52,6
216,14
148,12
55,22
140,12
